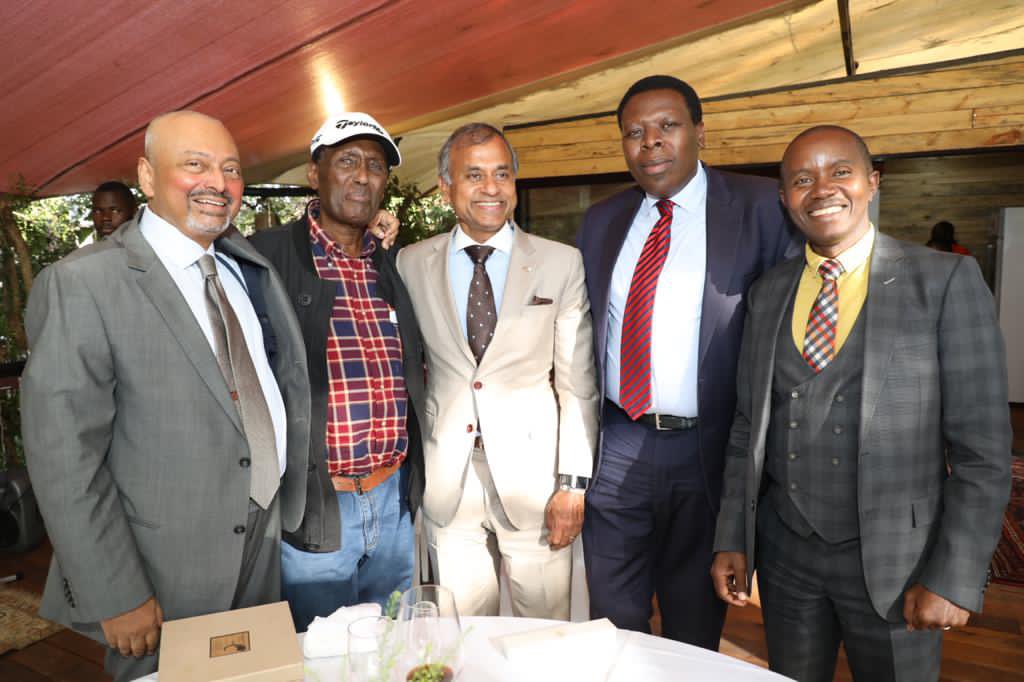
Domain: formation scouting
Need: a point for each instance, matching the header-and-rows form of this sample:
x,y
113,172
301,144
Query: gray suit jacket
x,y
934,456
133,445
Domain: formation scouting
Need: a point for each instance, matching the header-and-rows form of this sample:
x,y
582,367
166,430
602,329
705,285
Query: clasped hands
x,y
922,608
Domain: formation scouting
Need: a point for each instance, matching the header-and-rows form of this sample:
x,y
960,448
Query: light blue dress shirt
x,y
675,325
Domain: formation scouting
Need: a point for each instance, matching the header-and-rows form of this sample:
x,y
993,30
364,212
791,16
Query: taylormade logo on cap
x,y
355,124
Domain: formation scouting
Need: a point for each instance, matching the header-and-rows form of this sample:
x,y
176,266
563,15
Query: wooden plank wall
x,y
971,106
966,190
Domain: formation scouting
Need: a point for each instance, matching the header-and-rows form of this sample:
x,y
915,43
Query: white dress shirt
x,y
180,256
460,268
675,325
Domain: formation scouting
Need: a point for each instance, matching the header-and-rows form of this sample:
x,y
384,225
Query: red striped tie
x,y
635,352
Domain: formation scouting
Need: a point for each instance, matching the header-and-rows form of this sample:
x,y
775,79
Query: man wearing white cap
x,y
364,353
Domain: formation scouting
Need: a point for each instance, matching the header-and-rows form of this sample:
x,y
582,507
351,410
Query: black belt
x,y
668,422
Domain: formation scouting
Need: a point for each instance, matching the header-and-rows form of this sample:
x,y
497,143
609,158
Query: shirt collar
x,y
330,247
851,259
691,198
174,248
500,240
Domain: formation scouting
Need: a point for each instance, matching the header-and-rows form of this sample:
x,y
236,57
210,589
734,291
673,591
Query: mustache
x,y
211,194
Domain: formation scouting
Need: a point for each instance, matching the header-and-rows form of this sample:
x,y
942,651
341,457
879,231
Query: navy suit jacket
x,y
747,233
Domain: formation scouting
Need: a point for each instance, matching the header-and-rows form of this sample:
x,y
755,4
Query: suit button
x,y
469,428
839,398
478,385
835,461
794,425
792,486
795,395
837,429
244,462
239,530
305,299
311,468
792,456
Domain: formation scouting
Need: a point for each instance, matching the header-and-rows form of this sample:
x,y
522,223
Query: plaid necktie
x,y
244,385
820,338
481,315
635,352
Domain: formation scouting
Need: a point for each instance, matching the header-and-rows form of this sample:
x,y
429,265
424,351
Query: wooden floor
x,y
990,649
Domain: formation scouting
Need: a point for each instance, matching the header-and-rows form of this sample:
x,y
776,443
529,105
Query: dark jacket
x,y
288,249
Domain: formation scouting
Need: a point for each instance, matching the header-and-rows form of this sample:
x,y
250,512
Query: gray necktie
x,y
244,384
481,315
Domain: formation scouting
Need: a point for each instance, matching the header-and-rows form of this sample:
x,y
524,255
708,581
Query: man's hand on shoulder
x,y
564,518
384,226
729,574
925,610
136,632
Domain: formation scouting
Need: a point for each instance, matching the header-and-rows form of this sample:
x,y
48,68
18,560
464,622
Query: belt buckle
x,y
657,423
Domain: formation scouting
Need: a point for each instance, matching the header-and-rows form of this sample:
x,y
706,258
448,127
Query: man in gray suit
x,y
869,461
165,407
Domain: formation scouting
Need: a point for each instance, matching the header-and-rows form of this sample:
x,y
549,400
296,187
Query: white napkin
x,y
329,636
570,650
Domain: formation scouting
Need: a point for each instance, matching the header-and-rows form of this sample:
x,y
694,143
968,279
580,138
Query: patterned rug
x,y
19,623
1008,562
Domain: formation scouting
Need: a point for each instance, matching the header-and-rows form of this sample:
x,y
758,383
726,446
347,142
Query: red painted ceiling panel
x,y
82,79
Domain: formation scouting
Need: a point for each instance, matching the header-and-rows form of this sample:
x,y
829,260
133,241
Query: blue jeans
x,y
375,559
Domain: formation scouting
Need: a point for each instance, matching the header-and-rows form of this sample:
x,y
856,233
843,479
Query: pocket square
x,y
537,300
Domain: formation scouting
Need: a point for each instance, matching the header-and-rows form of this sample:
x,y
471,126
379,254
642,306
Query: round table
x,y
639,658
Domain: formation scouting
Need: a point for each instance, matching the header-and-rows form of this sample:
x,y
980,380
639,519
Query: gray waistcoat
x,y
811,458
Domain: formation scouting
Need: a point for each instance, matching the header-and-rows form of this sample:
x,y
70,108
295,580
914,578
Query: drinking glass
x,y
431,635
372,651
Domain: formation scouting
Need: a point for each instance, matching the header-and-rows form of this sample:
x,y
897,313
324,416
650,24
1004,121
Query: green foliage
x,y
421,215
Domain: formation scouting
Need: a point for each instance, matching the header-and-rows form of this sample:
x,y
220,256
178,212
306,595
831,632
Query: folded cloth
x,y
583,651
329,636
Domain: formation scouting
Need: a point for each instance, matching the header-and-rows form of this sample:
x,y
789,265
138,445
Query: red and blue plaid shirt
x,y
367,401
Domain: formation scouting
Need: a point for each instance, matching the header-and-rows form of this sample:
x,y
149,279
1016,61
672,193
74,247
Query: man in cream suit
x,y
511,406
165,467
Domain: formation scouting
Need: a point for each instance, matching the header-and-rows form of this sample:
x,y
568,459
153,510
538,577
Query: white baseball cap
x,y
354,124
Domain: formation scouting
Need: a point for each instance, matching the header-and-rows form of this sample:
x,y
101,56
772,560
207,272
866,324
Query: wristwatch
x,y
576,484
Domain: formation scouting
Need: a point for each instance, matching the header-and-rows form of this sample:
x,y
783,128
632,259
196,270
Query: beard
x,y
208,225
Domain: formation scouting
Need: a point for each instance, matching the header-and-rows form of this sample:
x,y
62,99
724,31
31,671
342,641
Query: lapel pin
x,y
889,281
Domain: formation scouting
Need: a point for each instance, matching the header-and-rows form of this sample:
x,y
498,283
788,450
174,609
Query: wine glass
x,y
372,651
431,635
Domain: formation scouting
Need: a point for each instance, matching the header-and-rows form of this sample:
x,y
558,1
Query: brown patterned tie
x,y
244,385
481,315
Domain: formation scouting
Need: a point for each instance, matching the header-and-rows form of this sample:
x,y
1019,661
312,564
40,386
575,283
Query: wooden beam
x,y
949,109
847,37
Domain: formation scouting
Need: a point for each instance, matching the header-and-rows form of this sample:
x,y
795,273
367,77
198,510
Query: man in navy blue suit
x,y
667,266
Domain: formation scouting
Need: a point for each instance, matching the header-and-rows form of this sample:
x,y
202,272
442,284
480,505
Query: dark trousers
x,y
259,582
813,596
649,529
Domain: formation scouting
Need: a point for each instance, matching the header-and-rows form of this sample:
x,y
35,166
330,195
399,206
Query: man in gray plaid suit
x,y
869,461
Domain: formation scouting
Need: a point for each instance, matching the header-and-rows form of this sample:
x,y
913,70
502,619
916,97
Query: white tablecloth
x,y
640,658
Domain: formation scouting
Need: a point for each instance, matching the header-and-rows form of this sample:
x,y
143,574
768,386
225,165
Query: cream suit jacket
x,y
534,394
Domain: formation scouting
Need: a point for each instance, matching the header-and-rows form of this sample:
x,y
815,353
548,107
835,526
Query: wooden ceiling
x,y
82,78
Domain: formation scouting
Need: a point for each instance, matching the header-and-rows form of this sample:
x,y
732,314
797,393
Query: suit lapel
x,y
163,293
439,279
613,240
518,285
885,289
722,237
776,298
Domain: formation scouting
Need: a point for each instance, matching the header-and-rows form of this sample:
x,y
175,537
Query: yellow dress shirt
x,y
852,284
